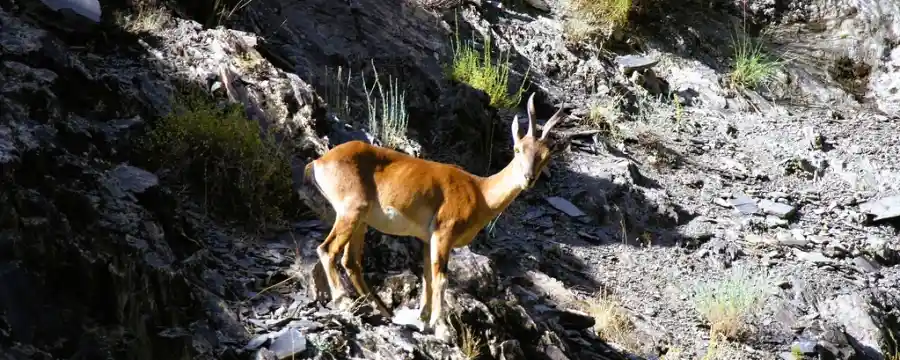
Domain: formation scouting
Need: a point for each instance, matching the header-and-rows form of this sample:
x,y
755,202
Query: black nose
x,y
529,177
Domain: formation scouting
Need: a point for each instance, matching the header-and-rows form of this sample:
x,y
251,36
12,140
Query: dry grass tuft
x,y
250,61
605,116
470,343
144,20
591,20
612,321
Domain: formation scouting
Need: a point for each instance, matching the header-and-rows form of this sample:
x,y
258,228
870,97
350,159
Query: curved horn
x,y
530,115
555,119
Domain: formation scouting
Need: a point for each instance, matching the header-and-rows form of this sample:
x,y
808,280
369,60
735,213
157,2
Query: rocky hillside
x,y
725,187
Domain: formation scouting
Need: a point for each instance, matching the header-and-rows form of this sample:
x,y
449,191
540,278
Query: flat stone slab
x,y
883,208
776,208
630,63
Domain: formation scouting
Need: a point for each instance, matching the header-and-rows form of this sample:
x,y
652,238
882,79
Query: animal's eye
x,y
516,150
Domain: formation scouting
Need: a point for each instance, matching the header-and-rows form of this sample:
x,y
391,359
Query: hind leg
x,y
352,262
340,235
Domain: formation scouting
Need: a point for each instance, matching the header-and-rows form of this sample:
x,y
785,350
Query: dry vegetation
x,y
596,20
143,19
612,321
470,342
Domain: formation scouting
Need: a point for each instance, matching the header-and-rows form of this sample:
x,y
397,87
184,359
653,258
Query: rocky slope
x,y
102,259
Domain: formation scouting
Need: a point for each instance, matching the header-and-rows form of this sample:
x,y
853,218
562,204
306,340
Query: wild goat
x,y
397,194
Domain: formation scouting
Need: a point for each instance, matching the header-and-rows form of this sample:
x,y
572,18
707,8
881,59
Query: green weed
x,y
753,66
477,69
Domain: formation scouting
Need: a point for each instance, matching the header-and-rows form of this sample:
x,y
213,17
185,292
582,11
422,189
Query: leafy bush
x,y
218,154
476,69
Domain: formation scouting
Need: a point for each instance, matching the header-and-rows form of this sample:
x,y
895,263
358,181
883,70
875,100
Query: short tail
x,y
309,177
316,202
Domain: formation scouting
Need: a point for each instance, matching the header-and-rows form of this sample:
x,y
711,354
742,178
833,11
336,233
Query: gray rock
x,y
744,204
539,4
814,257
572,319
265,354
805,346
630,63
8,151
565,206
256,342
774,221
133,179
87,8
791,239
865,265
288,343
553,352
778,209
881,250
785,355
511,350
883,208
861,320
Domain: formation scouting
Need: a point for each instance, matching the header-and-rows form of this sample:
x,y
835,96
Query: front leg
x,y
440,246
425,303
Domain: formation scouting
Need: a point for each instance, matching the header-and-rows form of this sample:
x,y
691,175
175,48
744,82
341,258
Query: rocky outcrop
x,y
103,260
100,258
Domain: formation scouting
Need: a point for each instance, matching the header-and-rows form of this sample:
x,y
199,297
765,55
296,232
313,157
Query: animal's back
x,y
410,191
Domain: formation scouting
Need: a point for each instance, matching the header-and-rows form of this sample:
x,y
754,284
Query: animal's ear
x,y
514,128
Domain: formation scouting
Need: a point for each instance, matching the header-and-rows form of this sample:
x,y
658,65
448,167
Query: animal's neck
x,y
500,189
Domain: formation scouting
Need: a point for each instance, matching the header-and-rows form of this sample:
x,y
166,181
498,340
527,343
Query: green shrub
x,y
728,302
476,69
218,155
752,65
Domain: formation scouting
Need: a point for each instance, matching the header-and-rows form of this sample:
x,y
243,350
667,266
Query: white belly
x,y
390,221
